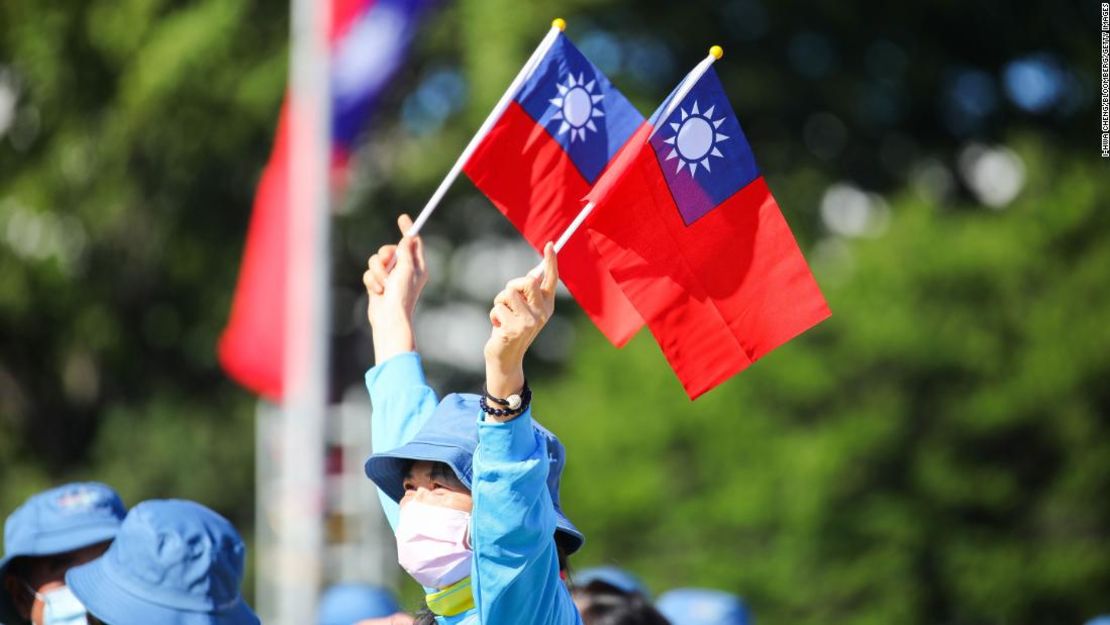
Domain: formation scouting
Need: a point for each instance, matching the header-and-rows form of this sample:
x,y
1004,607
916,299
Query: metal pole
x,y
300,519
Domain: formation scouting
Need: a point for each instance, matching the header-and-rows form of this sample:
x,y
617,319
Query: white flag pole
x,y
557,26
299,523
691,79
688,83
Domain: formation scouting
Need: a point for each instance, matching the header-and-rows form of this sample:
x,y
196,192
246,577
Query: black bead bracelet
x,y
525,401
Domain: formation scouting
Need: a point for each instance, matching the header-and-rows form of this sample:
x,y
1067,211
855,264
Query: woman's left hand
x,y
519,312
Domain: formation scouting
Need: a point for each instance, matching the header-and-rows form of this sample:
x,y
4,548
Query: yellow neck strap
x,y
453,600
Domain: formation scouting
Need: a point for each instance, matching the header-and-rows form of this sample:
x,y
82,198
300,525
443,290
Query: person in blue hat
x,y
348,604
608,595
602,604
50,533
469,484
612,577
173,562
702,606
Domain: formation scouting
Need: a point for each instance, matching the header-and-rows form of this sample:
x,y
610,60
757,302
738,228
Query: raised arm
x,y
513,523
394,279
519,312
401,397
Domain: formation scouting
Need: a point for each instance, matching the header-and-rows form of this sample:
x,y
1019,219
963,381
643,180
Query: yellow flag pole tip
x,y
717,52
559,23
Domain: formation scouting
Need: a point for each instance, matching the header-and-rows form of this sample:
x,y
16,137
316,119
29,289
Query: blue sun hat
x,y
702,606
174,563
451,436
345,604
59,520
616,577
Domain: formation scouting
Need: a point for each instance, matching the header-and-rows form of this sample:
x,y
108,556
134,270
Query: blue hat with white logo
x,y
702,606
451,436
174,563
346,604
55,521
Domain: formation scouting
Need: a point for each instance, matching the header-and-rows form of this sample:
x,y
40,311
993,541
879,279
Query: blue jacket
x,y
515,571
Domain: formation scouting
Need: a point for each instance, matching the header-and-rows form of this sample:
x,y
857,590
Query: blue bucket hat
x,y
344,604
702,606
616,577
62,519
451,436
173,563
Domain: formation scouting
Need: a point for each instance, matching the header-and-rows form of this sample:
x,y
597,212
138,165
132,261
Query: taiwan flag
x,y
698,243
368,40
540,159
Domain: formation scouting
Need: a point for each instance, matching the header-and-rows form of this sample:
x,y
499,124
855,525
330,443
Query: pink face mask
x,y
433,544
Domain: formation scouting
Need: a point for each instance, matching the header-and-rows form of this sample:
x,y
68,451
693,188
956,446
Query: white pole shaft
x,y
502,104
301,473
687,84
537,271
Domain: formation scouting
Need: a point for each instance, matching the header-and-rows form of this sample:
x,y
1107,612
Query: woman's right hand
x,y
394,279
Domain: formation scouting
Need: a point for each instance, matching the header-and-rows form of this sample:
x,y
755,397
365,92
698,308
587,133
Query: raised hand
x,y
394,279
519,312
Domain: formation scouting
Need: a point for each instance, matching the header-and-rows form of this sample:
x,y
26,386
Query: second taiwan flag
x,y
702,249
541,158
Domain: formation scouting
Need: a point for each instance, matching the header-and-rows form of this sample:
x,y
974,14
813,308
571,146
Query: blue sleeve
x,y
515,574
401,401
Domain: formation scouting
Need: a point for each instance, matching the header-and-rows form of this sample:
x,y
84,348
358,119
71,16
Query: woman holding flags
x,y
470,484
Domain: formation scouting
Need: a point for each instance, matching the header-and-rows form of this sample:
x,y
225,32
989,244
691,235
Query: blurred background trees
x,y
938,451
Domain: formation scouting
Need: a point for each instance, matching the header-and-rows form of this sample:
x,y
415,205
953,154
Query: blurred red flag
x,y
368,39
252,346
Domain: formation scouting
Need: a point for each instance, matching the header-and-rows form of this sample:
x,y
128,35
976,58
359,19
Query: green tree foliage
x,y
126,180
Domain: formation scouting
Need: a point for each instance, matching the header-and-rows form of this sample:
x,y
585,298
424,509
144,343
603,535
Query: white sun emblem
x,y
695,139
578,106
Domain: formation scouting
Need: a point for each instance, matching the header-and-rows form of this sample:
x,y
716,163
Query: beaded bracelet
x,y
525,401
507,402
